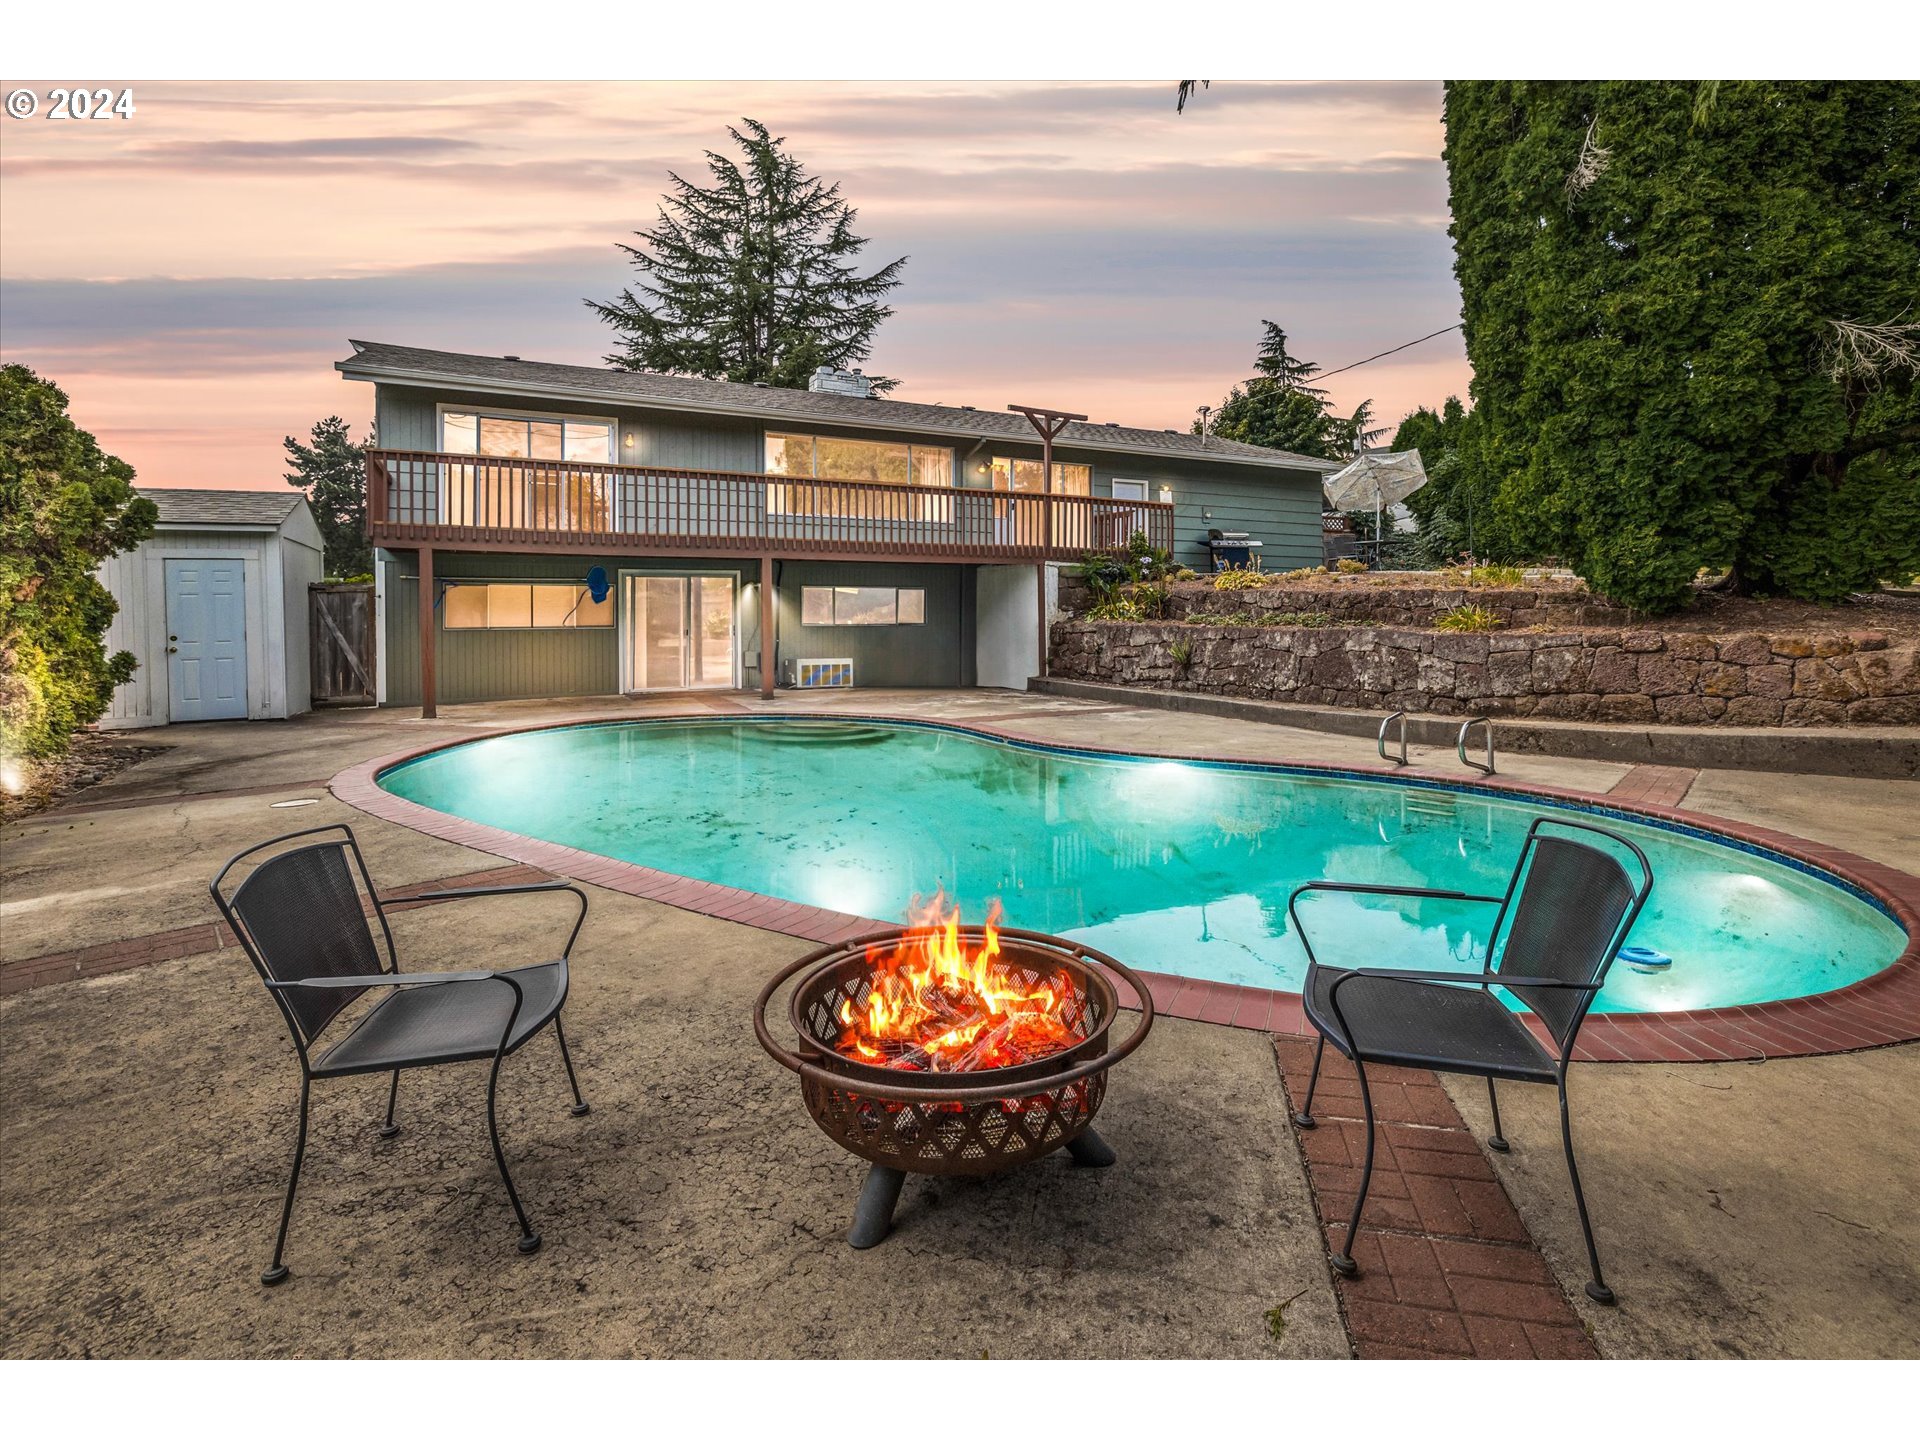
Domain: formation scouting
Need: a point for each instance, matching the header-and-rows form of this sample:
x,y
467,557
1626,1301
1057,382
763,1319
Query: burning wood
x,y
936,1007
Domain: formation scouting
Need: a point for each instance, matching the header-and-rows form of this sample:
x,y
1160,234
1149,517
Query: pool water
x,y
1179,867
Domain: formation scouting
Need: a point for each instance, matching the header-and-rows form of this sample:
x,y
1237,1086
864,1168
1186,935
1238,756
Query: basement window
x,y
503,605
861,605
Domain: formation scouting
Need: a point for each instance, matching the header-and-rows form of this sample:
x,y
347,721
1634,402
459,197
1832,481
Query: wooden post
x,y
427,629
766,627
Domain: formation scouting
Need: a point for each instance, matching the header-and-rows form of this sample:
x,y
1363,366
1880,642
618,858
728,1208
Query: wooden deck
x,y
420,498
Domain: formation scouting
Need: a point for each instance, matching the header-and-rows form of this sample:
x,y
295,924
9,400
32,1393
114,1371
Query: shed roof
x,y
372,360
257,509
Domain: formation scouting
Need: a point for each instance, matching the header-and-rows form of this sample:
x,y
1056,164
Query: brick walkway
x,y
1447,1269
1665,785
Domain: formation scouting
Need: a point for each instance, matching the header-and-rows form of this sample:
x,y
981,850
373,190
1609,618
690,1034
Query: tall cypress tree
x,y
752,278
1693,314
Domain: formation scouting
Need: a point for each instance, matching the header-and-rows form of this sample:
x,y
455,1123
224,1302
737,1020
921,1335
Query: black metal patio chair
x,y
303,922
1575,905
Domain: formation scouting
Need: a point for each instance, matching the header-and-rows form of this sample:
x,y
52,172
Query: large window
x,y
861,605
1022,477
510,605
541,497
873,462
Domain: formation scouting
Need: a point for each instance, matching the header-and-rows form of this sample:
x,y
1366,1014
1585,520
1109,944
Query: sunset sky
x,y
189,276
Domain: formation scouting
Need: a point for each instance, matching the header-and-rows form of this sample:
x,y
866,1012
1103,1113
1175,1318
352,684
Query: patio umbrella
x,y
1380,478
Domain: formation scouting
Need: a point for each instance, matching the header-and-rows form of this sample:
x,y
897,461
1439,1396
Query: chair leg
x,y
580,1107
1498,1141
389,1130
1344,1261
1597,1287
1303,1117
277,1271
529,1241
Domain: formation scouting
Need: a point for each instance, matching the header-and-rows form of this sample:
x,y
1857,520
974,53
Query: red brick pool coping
x,y
1883,1009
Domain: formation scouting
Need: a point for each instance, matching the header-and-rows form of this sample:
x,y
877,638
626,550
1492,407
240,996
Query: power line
x,y
1327,374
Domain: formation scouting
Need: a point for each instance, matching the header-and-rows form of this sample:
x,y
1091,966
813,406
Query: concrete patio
x,y
1743,1209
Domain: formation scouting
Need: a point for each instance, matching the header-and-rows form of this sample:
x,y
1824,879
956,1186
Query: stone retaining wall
x,y
1623,675
1360,601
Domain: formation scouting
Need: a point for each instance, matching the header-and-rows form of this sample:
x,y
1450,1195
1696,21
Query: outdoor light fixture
x,y
1166,496
626,441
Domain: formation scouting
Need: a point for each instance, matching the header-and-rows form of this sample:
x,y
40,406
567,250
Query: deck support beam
x,y
427,633
766,627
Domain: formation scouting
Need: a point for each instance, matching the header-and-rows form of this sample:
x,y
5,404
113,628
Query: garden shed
x,y
214,607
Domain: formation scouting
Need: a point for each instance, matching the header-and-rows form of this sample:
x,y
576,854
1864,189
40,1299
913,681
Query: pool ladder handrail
x,y
1381,745
1460,747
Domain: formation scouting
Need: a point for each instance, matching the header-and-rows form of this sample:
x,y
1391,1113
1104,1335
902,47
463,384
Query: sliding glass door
x,y
678,632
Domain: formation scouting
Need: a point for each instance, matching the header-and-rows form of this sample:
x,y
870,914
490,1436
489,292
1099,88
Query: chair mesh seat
x,y
433,1024
1402,1022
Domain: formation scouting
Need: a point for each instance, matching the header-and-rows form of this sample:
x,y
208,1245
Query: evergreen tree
x,y
1694,320
752,278
1277,407
332,470
1443,509
65,505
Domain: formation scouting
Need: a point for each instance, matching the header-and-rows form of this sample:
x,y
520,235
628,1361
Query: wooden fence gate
x,y
343,636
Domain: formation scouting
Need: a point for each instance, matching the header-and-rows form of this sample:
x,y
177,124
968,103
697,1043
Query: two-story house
x,y
552,530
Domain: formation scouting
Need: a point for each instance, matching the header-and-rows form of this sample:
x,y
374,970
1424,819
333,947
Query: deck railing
x,y
442,499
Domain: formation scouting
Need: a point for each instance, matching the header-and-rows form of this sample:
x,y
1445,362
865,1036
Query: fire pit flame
x,y
936,1006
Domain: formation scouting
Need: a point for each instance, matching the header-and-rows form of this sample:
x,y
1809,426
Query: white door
x,y
679,632
206,639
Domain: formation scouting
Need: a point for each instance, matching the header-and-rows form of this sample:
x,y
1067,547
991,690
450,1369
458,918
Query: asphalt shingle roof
x,y
222,507
374,361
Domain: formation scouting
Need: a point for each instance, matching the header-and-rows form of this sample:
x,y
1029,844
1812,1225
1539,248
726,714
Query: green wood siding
x,y
477,665
495,664
938,653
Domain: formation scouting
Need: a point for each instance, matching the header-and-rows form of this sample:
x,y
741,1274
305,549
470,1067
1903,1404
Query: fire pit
x,y
952,1050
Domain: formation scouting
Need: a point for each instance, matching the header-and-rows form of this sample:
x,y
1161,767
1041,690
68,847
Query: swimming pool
x,y
1182,867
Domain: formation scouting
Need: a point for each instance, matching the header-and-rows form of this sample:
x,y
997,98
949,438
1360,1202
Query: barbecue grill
x,y
1232,549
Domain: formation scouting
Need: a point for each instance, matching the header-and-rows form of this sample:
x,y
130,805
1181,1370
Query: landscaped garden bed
x,y
1439,644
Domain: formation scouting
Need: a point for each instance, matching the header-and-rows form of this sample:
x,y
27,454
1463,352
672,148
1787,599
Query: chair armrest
x,y
1468,977
542,887
365,982
1400,891
1412,892
481,891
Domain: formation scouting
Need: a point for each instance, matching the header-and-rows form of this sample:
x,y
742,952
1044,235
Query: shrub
x,y
1239,580
1141,600
1350,566
1502,577
1467,617
65,505
1184,573
1305,572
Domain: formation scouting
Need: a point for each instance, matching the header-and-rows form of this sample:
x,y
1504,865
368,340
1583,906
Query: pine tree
x,y
332,470
1286,371
752,278
1277,408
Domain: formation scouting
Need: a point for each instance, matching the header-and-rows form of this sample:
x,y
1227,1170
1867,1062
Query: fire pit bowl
x,y
978,1122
